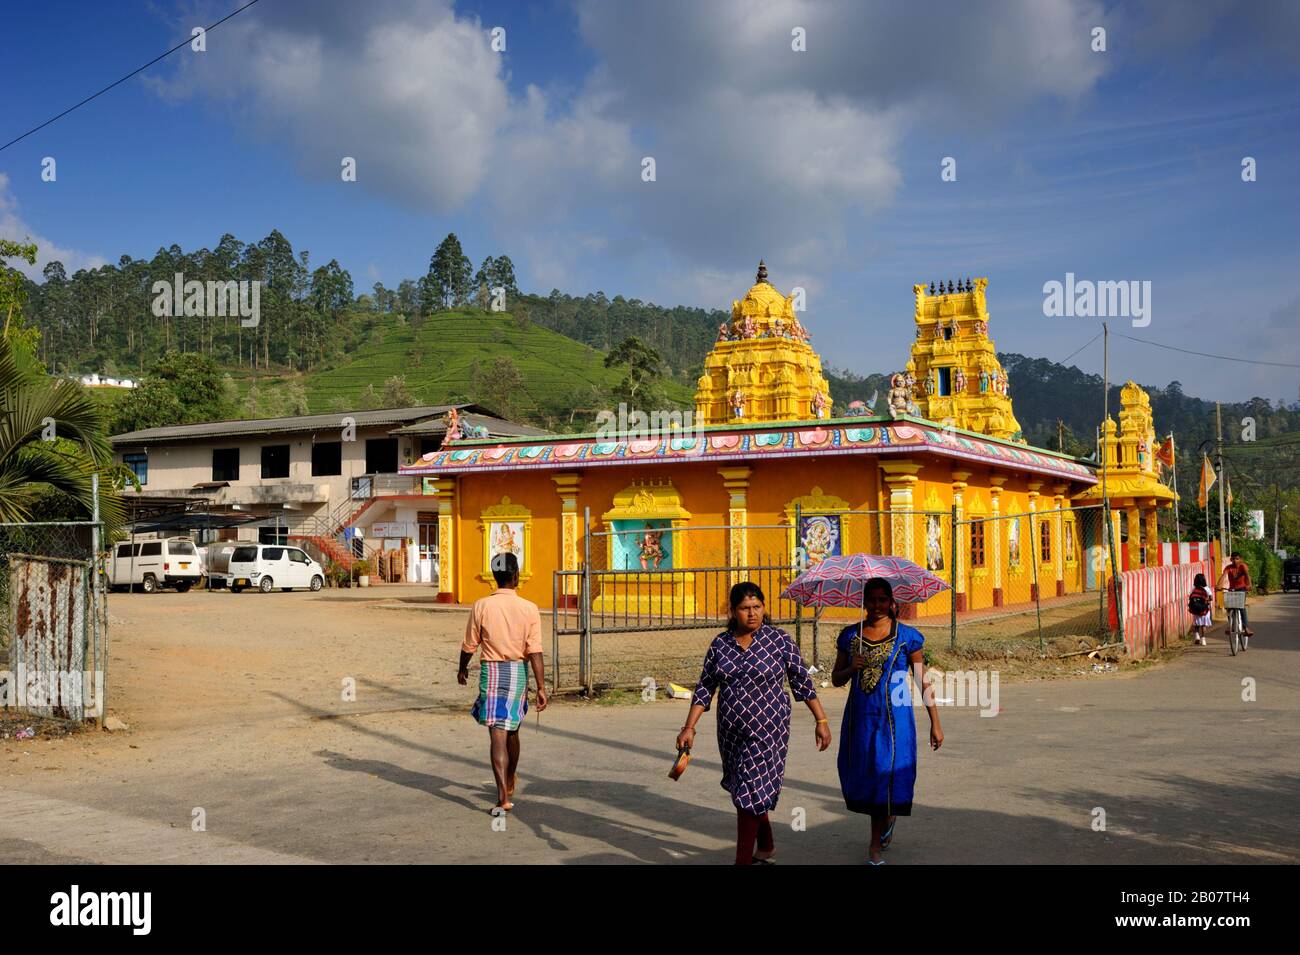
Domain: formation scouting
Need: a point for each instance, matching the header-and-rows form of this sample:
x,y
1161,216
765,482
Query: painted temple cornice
x,y
748,443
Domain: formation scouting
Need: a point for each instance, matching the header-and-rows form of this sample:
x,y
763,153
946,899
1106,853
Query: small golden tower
x,y
954,370
1133,482
762,367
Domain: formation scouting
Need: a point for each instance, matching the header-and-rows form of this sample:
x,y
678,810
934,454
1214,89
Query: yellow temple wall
x,y
536,492
772,484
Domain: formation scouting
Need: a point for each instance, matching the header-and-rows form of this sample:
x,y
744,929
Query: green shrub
x,y
1265,566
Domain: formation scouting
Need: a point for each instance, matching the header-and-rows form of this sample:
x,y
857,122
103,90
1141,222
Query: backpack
x,y
1198,603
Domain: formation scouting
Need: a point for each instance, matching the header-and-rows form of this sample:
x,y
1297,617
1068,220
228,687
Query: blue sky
x,y
1115,165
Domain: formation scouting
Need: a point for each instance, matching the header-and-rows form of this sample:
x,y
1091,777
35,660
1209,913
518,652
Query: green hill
x,y
564,381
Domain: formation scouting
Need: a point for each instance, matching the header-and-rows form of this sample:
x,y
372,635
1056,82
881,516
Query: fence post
x,y
100,640
1099,574
1035,553
952,575
1114,569
796,570
557,588
584,604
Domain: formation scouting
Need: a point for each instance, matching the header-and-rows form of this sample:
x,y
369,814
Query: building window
x,y
977,543
327,459
139,465
381,455
945,381
272,535
1045,541
275,461
225,464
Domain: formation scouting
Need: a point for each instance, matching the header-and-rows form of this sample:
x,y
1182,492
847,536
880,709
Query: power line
x,y
1079,349
161,56
1188,351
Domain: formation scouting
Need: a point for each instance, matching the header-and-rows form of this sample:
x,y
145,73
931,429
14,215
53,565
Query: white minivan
x,y
267,566
171,562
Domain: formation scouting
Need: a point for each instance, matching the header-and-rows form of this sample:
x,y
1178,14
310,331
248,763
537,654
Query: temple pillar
x,y
445,489
566,485
1035,539
1153,534
1133,514
900,477
1058,547
959,479
736,481
995,510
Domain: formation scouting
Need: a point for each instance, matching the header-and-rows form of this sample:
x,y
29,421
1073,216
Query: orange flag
x,y
1207,481
1165,453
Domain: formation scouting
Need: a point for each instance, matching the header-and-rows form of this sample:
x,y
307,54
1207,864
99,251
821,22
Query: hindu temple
x,y
773,472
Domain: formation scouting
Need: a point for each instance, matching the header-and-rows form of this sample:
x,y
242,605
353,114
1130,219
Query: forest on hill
x,y
320,343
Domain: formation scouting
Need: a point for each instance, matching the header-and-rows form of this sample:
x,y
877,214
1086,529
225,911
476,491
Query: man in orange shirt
x,y
1237,576
506,630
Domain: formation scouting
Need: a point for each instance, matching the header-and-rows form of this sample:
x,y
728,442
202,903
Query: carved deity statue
x,y
738,403
819,405
959,381
899,399
453,426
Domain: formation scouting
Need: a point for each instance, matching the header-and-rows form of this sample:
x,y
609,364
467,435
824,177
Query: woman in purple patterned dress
x,y
747,666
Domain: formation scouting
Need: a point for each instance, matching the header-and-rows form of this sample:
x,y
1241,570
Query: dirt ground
x,y
237,713
255,658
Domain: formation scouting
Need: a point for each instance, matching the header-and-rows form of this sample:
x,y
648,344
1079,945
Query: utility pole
x,y
1105,497
1218,466
1277,512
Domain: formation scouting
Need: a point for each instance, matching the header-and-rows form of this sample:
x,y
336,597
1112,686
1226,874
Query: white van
x,y
267,566
171,562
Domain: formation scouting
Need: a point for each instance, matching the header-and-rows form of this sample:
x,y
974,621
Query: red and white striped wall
x,y
1155,604
1188,552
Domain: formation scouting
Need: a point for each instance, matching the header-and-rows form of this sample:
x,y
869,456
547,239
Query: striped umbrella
x,y
838,581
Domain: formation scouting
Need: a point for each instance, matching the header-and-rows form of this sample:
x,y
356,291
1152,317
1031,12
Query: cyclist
x,y
1237,575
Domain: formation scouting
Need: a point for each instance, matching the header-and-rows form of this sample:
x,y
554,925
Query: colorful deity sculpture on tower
x,y
762,367
956,362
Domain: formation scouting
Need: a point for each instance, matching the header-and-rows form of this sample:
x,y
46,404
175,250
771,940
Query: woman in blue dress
x,y
877,759
746,668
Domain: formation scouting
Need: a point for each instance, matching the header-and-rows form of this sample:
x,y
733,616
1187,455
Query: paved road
x,y
1185,770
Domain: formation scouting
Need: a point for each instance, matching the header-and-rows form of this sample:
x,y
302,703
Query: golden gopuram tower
x,y
1133,478
762,367
954,374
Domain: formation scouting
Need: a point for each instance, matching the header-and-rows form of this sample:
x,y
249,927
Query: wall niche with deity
x,y
641,526
642,546
817,528
507,528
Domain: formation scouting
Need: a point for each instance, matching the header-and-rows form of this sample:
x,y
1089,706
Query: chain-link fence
x,y
53,620
651,596
1031,579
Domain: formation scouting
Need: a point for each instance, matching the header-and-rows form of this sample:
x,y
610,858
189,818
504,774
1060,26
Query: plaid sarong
x,y
502,694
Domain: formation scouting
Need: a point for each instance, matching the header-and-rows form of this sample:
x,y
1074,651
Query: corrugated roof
x,y
304,423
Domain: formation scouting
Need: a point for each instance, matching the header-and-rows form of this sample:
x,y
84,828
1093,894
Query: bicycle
x,y
1234,601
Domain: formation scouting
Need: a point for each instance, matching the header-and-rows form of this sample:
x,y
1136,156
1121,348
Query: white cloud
x,y
760,150
13,227
411,91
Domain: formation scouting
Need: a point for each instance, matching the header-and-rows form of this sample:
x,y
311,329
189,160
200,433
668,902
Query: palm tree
x,y
34,407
